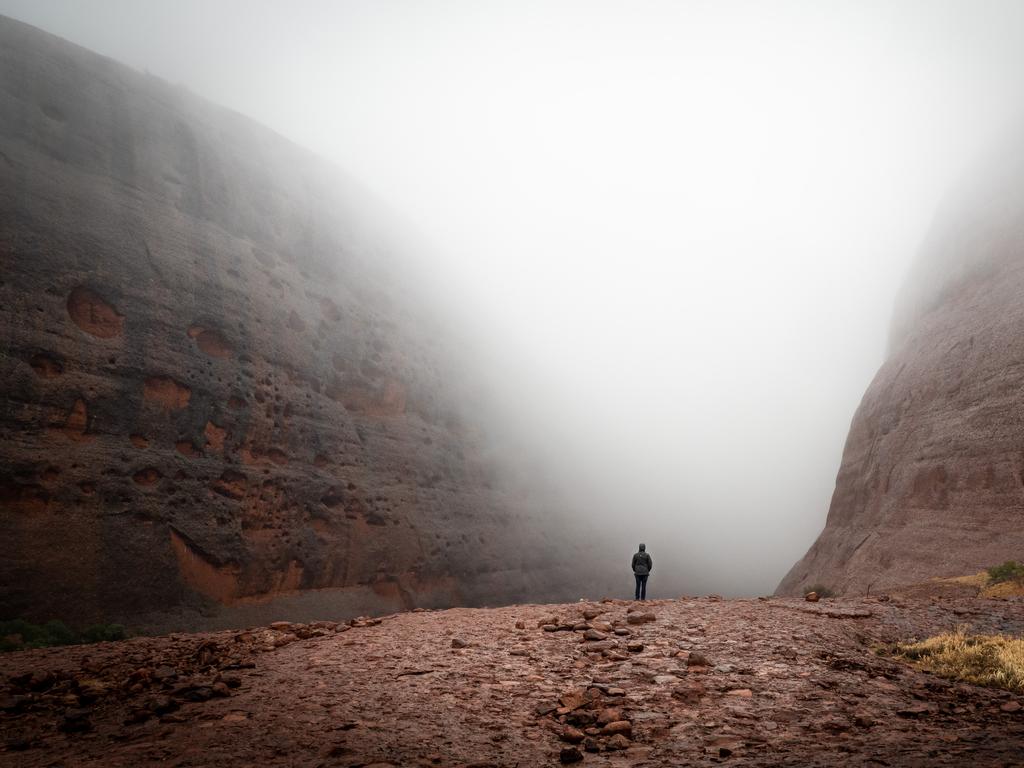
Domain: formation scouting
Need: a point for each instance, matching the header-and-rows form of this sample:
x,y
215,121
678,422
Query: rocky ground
x,y
694,681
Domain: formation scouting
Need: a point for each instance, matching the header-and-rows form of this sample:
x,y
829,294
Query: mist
x,y
669,235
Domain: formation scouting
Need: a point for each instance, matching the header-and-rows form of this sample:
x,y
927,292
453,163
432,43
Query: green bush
x,y
99,633
56,632
1011,570
821,589
17,634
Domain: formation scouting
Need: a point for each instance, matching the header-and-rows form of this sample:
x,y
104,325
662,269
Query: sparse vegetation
x,y
992,660
1011,570
1000,581
18,634
821,590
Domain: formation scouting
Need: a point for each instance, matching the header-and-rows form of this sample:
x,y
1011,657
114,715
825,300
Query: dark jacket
x,y
642,563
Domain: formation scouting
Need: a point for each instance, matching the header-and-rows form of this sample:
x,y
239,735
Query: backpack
x,y
642,564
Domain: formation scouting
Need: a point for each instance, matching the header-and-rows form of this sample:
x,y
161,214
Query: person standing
x,y
642,567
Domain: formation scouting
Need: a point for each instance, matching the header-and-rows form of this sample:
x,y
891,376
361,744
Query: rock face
x,y
217,384
932,478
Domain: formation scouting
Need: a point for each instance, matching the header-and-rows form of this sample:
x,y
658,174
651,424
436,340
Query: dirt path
x,y
744,682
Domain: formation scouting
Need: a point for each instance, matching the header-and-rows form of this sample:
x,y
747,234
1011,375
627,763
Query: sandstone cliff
x,y
218,386
932,477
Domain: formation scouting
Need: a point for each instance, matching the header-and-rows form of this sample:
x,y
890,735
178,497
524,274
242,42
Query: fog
x,y
670,233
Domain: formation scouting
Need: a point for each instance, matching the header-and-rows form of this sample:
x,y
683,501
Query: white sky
x,y
676,228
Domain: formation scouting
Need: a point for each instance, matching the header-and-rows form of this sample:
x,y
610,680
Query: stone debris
x,y
570,755
731,680
742,693
581,697
723,746
618,741
609,715
689,692
697,660
75,721
572,735
640,618
917,710
619,726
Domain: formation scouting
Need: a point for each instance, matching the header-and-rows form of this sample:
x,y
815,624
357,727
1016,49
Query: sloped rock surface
x,y
218,385
740,682
932,477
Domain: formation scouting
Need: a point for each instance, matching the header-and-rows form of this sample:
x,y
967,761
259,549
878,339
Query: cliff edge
x,y
219,386
932,476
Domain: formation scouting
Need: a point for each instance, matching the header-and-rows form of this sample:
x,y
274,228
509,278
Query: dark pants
x,y
641,586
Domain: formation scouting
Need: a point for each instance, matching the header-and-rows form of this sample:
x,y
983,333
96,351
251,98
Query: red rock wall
x,y
932,477
216,386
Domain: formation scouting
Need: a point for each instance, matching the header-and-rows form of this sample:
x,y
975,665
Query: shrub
x,y
1011,570
99,633
18,633
821,589
993,660
56,632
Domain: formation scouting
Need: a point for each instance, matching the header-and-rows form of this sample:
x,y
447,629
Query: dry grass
x,y
1003,589
993,660
979,580
985,587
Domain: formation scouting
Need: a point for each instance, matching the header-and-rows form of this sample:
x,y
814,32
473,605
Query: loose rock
x,y
619,726
618,741
609,715
640,618
570,755
75,721
572,735
689,693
